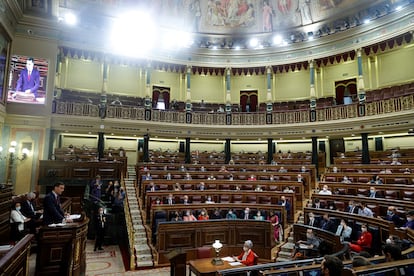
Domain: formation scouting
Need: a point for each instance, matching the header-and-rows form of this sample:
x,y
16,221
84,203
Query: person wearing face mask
x,y
343,231
209,200
308,247
189,216
17,221
284,202
247,256
258,216
231,215
216,214
392,216
246,214
203,215
325,190
373,193
346,180
410,221
100,226
364,241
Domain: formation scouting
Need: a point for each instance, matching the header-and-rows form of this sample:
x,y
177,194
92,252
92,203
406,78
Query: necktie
x,y
28,74
102,222
57,200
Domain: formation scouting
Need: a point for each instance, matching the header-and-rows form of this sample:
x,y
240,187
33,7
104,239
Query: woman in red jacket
x,y
247,257
364,241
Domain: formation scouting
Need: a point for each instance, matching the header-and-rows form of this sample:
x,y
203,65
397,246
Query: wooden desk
x,y
204,267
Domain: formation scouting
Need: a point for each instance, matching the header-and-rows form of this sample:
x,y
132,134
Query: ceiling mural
x,y
238,16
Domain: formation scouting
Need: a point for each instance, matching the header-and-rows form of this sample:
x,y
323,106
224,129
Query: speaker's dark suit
x,y
32,83
52,212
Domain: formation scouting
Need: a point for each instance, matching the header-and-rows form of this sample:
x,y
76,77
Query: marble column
x,y
101,145
315,159
187,150
269,150
146,148
365,149
227,150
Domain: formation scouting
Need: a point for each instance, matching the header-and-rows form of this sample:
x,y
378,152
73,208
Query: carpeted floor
x,y
109,263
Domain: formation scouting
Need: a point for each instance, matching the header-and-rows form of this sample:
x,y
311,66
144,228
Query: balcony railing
x,y
391,105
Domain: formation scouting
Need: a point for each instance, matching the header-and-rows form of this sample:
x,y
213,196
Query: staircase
x,y
142,251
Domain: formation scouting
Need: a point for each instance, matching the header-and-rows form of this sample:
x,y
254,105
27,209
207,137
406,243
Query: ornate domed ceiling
x,y
229,33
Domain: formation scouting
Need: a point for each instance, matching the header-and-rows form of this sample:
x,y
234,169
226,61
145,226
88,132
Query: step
x,y
143,264
282,254
280,259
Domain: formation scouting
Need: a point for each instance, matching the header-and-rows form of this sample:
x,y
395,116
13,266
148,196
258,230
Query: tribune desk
x,y
204,267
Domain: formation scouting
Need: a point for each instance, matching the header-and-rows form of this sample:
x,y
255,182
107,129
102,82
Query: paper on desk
x,y
235,263
74,216
228,259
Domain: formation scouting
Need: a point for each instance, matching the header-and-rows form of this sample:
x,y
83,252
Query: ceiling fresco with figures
x,y
244,16
222,30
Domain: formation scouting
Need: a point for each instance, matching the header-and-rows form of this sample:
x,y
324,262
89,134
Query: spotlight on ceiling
x,y
366,21
70,19
277,39
398,8
133,34
254,42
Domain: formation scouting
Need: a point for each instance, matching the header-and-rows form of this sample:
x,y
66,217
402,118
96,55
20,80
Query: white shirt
x,y
17,217
325,192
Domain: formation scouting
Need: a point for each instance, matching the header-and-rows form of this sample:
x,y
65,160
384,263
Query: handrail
x,y
331,113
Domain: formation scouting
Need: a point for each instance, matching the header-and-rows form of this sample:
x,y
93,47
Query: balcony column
x,y
187,150
148,94
188,105
228,94
101,145
269,150
146,148
227,150
315,154
103,100
269,100
361,85
312,102
365,149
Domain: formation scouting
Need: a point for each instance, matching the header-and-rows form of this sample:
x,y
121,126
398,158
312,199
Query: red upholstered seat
x,y
203,252
391,194
225,199
237,199
408,195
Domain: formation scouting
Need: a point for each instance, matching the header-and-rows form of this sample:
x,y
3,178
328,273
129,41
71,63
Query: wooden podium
x,y
178,260
62,249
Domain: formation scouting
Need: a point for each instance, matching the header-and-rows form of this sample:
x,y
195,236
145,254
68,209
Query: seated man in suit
x,y
246,214
352,207
284,202
310,245
152,187
52,211
169,200
28,209
29,80
327,224
313,221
